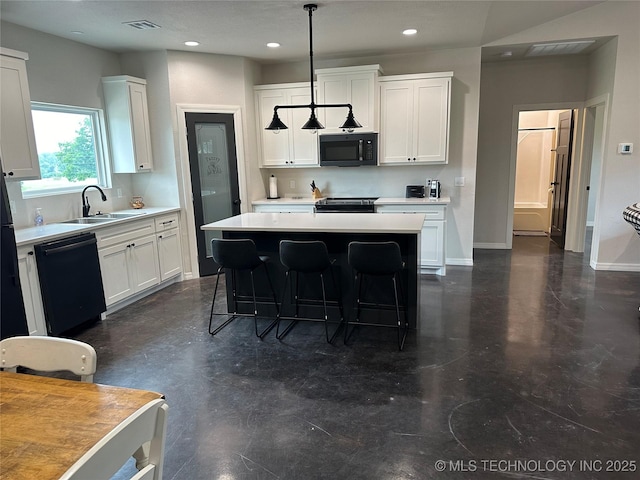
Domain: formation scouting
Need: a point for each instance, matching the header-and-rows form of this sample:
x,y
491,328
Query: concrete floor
x,y
530,356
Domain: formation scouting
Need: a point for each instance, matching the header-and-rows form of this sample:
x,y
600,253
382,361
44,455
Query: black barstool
x,y
307,257
236,255
378,259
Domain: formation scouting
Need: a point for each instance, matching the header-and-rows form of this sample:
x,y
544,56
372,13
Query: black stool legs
x,y
235,255
381,260
308,257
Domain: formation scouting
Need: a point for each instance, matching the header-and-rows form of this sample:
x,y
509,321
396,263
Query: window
x,y
71,149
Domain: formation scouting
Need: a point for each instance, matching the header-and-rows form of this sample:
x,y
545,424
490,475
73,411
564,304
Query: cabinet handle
x,y
159,237
168,222
29,253
141,166
11,174
133,244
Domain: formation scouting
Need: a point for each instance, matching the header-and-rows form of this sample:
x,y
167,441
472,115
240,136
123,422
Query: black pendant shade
x,y
313,123
276,123
350,122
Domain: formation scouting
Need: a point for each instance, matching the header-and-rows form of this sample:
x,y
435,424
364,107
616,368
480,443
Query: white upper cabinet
x,y
292,147
17,139
414,123
128,120
354,85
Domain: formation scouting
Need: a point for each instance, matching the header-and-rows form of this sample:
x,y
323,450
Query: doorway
x,y
536,154
213,168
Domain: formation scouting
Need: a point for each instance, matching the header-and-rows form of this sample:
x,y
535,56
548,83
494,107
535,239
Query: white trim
x,y
100,142
615,267
460,262
602,100
415,76
492,246
514,153
186,199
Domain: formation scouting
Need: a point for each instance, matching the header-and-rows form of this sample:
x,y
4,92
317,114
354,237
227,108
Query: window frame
x,y
101,143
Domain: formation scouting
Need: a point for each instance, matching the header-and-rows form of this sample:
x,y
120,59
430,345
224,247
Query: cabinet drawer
x,y
166,222
111,236
431,212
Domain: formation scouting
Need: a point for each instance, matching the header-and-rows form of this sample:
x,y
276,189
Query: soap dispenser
x,y
38,219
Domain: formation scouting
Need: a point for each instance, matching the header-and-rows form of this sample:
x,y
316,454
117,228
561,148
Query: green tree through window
x,y
77,158
71,149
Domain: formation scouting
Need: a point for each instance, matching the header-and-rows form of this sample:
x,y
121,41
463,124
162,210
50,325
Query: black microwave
x,y
348,150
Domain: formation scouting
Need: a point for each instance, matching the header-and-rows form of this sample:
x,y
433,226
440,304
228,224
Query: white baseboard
x,y
461,262
491,246
615,267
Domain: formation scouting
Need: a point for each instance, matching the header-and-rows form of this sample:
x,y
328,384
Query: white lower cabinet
x,y
30,284
169,250
432,236
138,256
129,267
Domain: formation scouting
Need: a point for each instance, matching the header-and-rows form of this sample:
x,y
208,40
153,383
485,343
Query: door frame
x,y
581,198
576,154
186,199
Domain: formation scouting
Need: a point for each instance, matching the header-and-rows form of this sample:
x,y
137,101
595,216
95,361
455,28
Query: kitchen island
x,y
336,230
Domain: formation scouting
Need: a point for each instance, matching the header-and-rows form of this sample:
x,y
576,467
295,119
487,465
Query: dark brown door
x,y
214,177
560,182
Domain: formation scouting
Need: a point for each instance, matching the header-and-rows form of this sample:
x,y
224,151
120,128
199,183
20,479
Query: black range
x,y
346,205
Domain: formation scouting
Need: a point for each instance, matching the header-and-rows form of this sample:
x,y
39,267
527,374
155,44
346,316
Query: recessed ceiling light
x,y
507,53
273,44
77,32
410,31
191,43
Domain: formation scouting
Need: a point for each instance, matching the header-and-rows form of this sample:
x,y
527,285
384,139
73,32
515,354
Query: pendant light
x,y
313,123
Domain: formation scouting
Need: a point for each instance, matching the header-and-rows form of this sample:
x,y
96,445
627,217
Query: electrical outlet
x,y
458,182
292,184
119,193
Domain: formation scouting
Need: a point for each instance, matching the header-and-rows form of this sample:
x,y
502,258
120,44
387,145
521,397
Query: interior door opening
x,y
535,164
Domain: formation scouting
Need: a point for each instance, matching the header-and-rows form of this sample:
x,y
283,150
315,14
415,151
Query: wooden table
x,y
47,424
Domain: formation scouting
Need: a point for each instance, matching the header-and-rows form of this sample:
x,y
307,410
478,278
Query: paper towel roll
x,y
273,187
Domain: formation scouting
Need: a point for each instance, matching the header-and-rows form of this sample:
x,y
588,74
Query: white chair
x,y
146,426
49,354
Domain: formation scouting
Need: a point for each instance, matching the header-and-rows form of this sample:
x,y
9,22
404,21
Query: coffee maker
x,y
433,188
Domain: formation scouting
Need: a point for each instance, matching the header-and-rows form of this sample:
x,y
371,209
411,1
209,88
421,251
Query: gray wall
x,y
68,73
504,85
615,243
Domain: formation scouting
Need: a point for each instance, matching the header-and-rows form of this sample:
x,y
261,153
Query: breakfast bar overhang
x,y
337,230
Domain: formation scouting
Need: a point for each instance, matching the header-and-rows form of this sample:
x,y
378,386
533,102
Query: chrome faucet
x,y
85,201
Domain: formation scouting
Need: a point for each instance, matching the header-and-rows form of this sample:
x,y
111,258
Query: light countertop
x,y
379,201
403,223
32,235
286,201
412,201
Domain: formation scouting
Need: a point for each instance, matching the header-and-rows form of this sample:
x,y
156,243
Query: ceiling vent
x,y
559,48
142,24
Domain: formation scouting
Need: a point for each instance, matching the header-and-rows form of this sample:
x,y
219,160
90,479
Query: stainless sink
x,y
89,220
117,215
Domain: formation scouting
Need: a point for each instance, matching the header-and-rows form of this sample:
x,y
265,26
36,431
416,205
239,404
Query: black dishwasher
x,y
70,281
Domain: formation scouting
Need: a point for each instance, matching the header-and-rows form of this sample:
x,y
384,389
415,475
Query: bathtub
x,y
531,216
